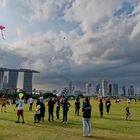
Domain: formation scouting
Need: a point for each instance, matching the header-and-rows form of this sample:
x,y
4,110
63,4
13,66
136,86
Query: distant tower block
x,y
12,79
1,79
27,83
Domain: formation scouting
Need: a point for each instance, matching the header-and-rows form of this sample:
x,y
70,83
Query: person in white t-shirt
x,y
31,100
20,106
38,111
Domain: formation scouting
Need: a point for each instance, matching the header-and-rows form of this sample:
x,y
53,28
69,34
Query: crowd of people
x,y
64,103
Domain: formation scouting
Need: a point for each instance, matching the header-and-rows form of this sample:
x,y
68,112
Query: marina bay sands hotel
x,y
12,79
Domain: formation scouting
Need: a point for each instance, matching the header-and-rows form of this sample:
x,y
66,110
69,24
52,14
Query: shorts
x,y
20,112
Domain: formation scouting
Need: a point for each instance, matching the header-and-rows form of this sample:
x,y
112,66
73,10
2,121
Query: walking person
x,y
65,105
57,108
101,108
31,100
86,117
108,104
50,109
77,106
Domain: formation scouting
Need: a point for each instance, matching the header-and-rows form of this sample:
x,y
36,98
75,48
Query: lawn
x,y
112,127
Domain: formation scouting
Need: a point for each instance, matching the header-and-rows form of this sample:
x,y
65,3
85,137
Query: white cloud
x,y
100,45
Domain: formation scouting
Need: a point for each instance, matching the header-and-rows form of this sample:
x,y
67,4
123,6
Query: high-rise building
x,y
110,90
123,91
97,89
132,90
27,82
1,79
89,89
12,79
115,90
104,88
5,82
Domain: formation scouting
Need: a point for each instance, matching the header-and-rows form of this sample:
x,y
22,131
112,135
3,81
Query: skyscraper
x,y
89,89
104,88
115,90
12,79
27,82
110,90
1,79
132,90
123,91
5,82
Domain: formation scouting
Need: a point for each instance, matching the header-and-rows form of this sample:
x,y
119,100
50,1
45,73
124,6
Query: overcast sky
x,y
72,40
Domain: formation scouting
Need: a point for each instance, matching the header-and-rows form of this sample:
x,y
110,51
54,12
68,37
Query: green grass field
x,y
112,127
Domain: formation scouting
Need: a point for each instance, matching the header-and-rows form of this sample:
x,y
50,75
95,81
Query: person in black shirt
x,y
57,108
101,108
127,113
50,108
77,106
86,117
42,109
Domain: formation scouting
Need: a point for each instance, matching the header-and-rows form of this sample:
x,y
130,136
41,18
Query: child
x,y
127,113
37,114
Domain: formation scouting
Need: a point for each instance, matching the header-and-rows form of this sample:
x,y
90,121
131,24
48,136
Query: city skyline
x,y
73,40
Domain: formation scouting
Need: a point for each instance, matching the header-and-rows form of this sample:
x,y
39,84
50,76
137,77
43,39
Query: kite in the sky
x,y
2,28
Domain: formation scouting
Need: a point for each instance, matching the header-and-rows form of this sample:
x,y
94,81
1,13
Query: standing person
x,y
108,104
77,106
57,108
3,103
86,117
37,114
50,108
31,100
101,108
65,105
20,106
42,109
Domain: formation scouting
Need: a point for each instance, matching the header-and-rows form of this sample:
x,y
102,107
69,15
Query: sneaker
x,y
22,121
89,135
17,121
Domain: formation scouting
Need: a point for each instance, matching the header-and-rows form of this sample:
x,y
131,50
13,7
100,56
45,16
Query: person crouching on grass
x,y
86,117
37,114
20,105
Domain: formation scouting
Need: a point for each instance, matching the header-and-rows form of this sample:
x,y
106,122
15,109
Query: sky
x,y
72,40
